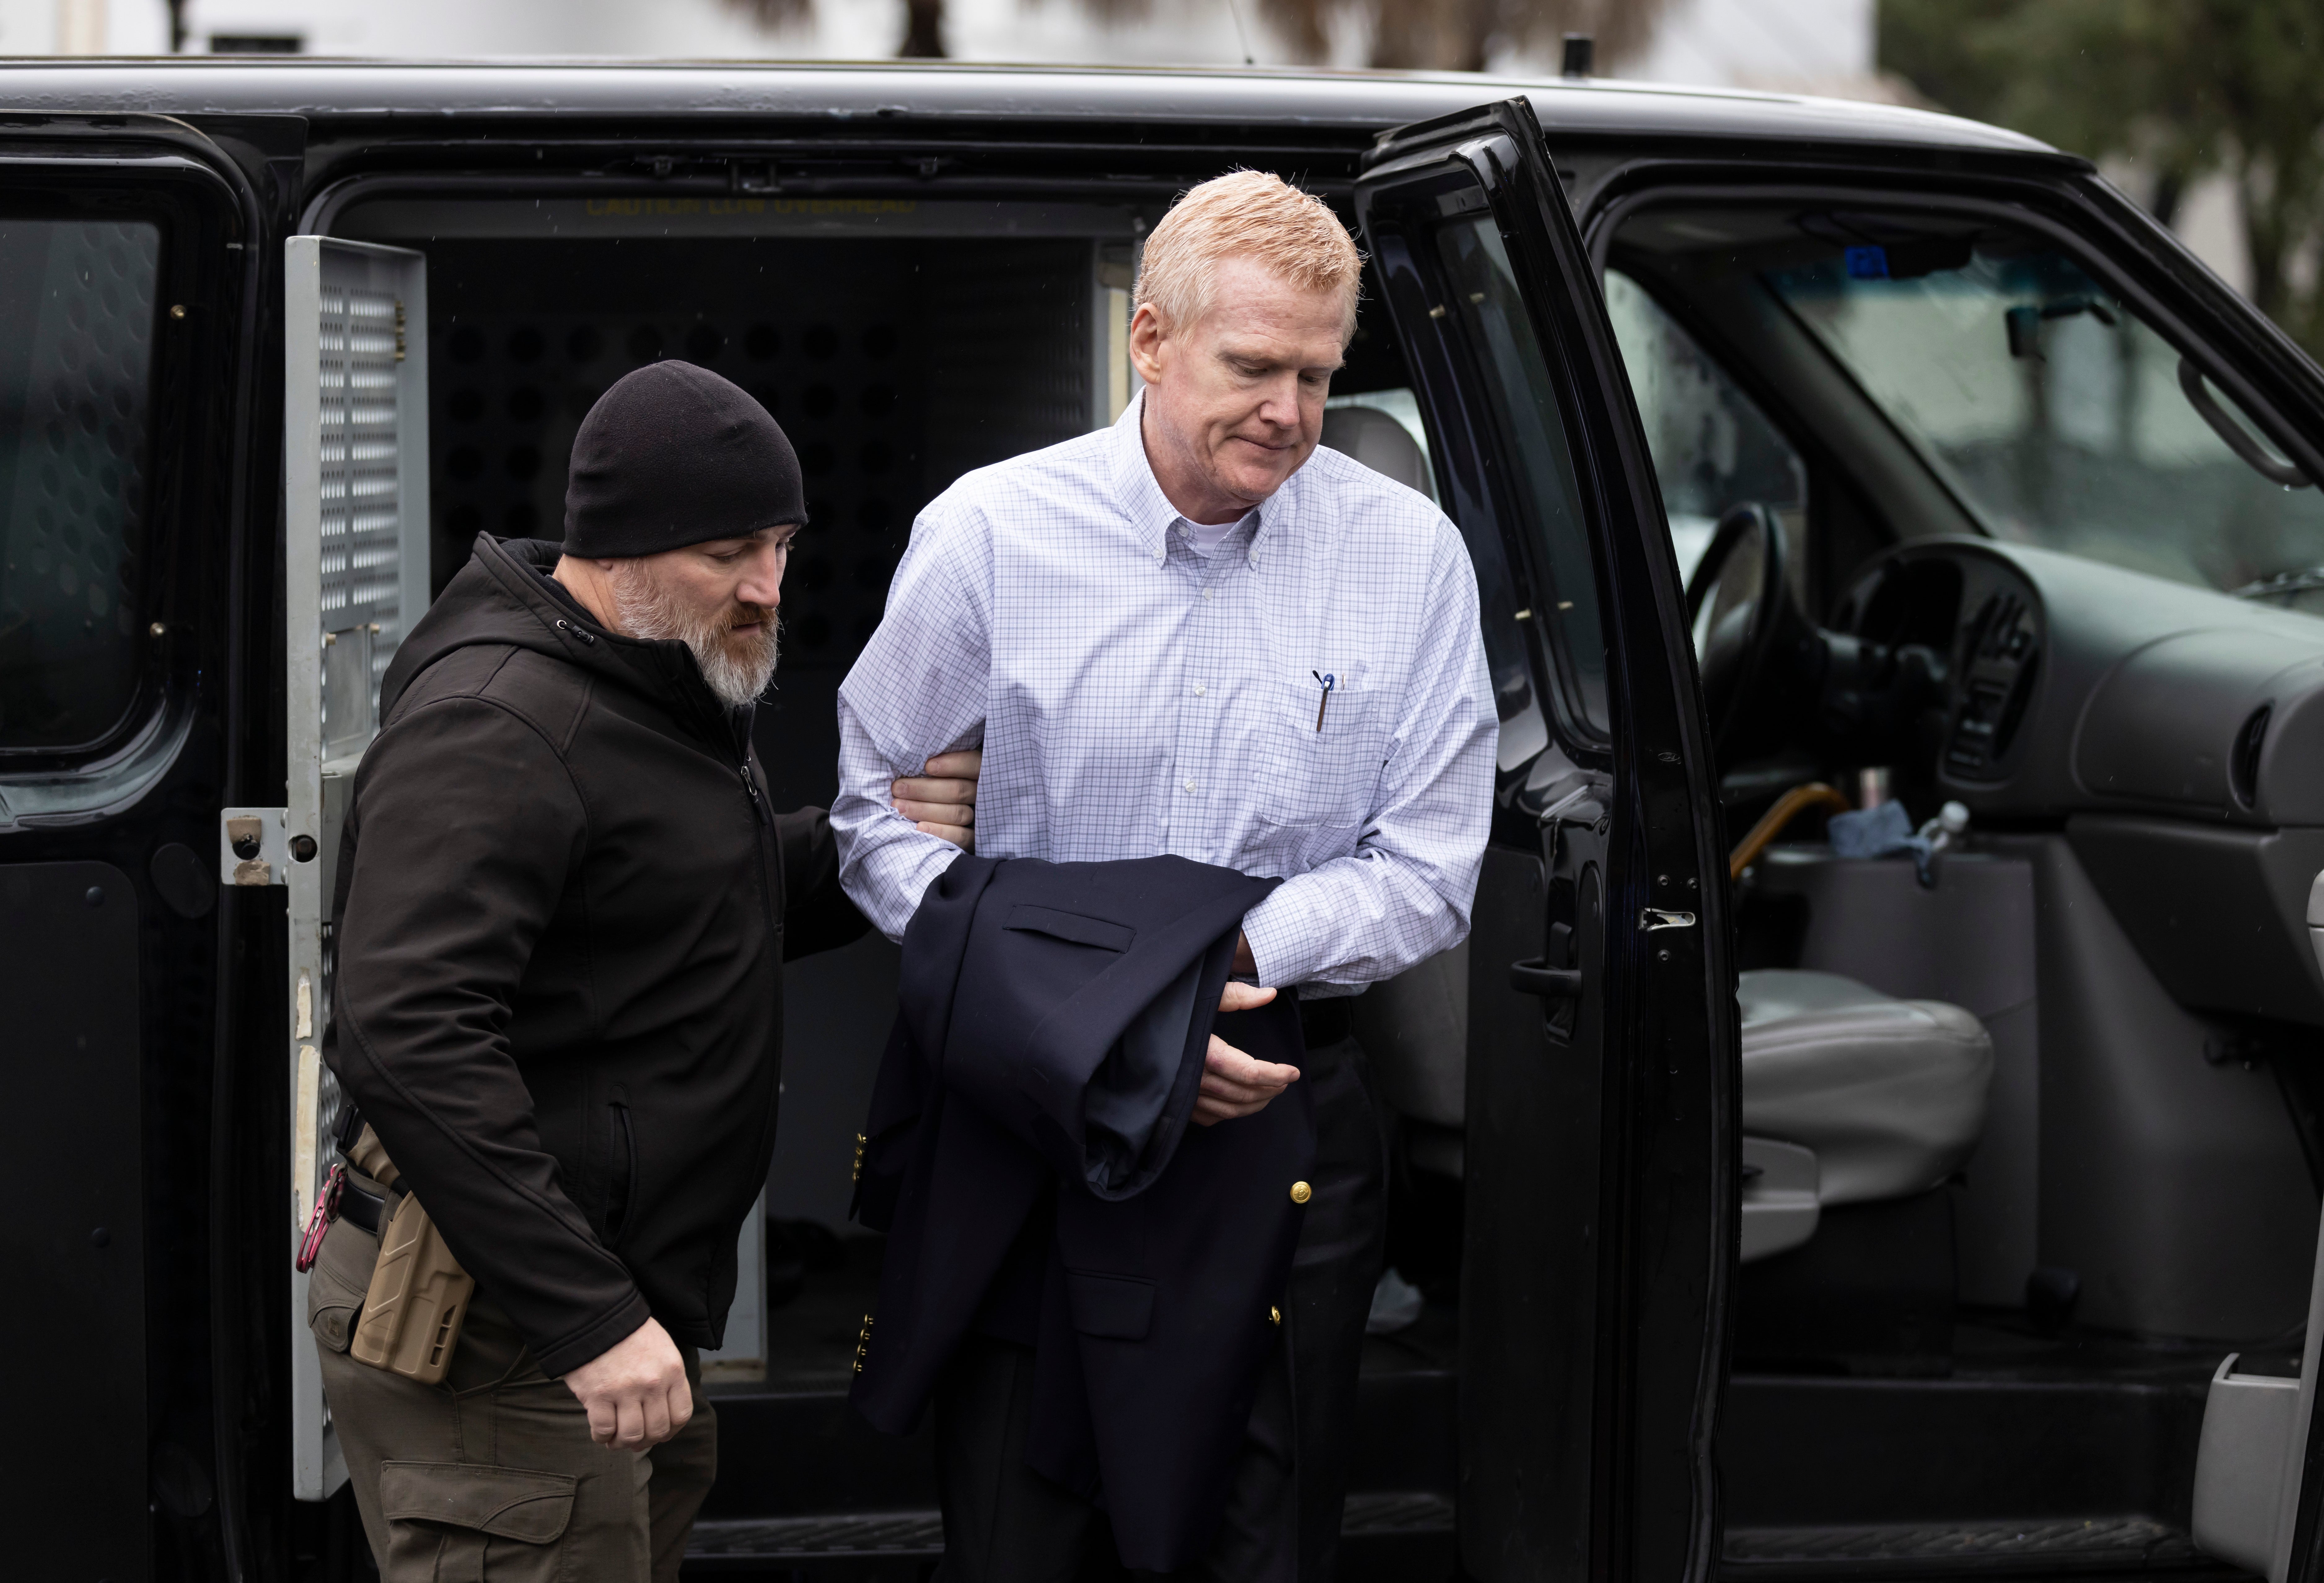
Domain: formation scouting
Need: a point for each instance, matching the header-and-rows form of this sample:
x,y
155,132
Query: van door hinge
x,y
1650,918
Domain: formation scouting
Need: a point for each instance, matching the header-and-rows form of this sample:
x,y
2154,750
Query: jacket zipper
x,y
760,820
751,790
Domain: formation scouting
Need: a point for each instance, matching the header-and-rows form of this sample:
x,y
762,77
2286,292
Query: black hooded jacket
x,y
563,907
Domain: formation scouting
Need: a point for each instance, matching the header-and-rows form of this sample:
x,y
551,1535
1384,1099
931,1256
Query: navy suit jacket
x,y
1037,998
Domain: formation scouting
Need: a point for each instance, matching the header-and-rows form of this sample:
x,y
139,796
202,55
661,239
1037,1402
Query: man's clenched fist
x,y
635,1391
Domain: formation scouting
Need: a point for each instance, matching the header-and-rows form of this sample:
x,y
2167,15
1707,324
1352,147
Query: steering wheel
x,y
1738,606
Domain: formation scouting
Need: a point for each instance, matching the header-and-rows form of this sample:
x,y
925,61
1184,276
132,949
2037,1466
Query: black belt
x,y
363,1209
1327,1022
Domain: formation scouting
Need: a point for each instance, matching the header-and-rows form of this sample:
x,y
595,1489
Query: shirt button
x,y
1200,689
1190,786
1206,593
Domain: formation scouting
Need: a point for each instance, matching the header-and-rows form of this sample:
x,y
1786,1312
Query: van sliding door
x,y
1600,1179
124,355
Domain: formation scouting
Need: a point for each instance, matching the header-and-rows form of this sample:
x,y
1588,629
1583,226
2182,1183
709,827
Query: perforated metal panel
x,y
359,467
359,341
1009,367
893,365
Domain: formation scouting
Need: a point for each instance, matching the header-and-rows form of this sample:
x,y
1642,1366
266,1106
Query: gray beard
x,y
737,673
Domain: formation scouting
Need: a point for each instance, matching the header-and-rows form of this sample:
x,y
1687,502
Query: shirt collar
x,y
1152,515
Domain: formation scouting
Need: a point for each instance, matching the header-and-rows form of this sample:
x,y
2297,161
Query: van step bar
x,y
754,1543
2046,1544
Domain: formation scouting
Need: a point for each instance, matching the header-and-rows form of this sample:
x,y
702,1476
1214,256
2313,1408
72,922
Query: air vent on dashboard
x,y
2243,760
2001,659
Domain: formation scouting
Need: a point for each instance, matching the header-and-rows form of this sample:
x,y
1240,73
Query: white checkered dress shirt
x,y
1134,697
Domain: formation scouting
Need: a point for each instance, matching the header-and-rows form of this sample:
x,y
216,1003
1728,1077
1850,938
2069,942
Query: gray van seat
x,y
1889,1094
1415,1032
1380,442
1848,1094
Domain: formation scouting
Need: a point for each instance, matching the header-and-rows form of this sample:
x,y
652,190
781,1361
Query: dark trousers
x,y
492,1477
1005,1523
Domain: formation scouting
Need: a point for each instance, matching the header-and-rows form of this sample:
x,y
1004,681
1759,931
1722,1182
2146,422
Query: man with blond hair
x,y
1196,633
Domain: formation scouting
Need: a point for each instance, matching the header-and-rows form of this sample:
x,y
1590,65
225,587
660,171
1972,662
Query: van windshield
x,y
2054,413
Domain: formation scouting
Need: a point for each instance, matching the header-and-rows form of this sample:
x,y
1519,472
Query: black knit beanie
x,y
673,455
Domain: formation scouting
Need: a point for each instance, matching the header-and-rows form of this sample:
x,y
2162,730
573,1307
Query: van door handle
x,y
1650,918
1531,978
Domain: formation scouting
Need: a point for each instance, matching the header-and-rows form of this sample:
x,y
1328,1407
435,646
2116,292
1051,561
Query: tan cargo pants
x,y
492,1477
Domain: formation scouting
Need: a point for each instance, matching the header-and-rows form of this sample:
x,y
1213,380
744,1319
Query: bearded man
x,y
563,907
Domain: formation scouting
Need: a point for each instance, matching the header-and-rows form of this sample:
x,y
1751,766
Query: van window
x,y
1713,449
1484,290
77,316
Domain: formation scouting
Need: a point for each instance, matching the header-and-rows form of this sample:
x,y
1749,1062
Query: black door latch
x,y
1532,978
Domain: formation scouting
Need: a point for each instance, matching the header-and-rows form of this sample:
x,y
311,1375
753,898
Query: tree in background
x,y
2185,88
923,37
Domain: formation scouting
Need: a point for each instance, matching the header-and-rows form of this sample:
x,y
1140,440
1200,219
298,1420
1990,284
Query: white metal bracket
x,y
254,846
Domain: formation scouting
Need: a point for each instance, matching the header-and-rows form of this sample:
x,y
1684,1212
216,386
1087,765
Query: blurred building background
x,y
1825,44
2207,110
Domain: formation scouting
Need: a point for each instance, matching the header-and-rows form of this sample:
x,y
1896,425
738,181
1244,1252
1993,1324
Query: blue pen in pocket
x,y
1327,682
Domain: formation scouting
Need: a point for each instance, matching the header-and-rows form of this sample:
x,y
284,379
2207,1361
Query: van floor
x,y
807,1491
2034,1455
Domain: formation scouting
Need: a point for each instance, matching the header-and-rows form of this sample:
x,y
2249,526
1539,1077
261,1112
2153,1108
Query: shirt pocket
x,y
1328,778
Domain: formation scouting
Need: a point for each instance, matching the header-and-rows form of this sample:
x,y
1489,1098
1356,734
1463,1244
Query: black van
x,y
1981,1240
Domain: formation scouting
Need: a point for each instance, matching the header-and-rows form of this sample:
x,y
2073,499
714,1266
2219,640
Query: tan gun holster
x,y
419,1296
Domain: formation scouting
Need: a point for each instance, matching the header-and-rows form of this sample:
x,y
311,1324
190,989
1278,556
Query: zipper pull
x,y
751,790
583,634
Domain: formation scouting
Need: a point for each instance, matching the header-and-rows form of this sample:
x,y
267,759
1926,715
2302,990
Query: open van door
x,y
354,561
1600,1160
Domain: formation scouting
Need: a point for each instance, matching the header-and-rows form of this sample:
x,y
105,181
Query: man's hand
x,y
1234,1084
635,1392
942,799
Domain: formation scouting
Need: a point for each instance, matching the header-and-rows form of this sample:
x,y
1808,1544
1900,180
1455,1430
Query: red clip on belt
x,y
326,1209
